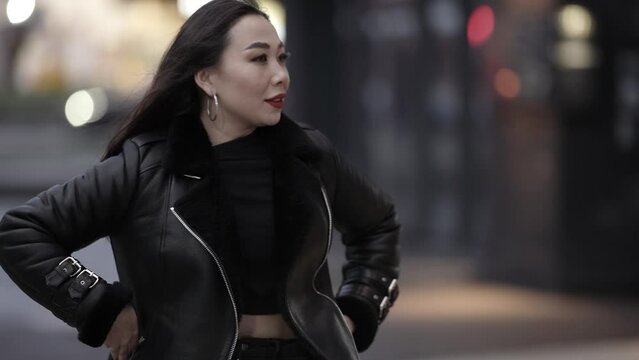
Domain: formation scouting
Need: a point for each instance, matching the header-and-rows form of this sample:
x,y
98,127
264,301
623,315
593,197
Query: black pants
x,y
271,349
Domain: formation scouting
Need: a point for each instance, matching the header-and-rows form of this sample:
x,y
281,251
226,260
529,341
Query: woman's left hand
x,y
123,336
349,323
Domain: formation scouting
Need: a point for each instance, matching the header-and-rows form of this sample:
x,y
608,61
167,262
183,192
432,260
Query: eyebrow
x,y
262,45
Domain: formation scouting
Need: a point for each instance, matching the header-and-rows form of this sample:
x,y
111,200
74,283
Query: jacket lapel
x,y
207,210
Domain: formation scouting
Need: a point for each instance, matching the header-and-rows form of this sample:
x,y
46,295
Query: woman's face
x,y
251,79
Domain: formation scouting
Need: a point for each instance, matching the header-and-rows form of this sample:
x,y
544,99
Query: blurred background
x,y
506,131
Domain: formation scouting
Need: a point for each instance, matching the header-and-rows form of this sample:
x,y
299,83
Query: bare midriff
x,y
265,326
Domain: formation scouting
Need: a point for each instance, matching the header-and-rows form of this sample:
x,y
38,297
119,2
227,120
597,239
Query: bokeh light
x,y
575,55
19,11
445,17
188,7
507,83
481,25
575,22
86,106
277,14
273,8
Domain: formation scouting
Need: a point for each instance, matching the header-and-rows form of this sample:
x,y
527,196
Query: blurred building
x,y
505,130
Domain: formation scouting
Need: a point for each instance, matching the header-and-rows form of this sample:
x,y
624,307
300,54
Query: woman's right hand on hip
x,y
123,336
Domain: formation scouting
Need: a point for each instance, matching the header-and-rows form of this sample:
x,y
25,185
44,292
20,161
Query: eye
x,y
284,56
262,58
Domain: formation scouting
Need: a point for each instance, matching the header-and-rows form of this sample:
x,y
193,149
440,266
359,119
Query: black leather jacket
x,y
171,231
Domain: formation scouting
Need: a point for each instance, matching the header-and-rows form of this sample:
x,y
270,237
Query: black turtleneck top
x,y
244,165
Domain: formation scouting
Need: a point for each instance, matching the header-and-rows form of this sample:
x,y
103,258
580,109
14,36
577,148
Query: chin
x,y
272,120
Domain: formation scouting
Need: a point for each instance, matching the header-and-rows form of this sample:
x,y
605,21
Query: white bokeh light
x,y
188,7
19,11
277,14
273,8
86,106
576,22
575,55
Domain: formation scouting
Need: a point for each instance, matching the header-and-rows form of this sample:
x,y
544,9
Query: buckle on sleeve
x,y
388,300
384,307
82,283
393,290
66,269
91,275
73,262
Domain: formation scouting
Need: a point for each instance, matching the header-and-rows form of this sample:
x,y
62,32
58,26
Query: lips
x,y
276,101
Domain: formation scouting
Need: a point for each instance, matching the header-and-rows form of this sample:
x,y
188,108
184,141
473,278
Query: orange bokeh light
x,y
507,83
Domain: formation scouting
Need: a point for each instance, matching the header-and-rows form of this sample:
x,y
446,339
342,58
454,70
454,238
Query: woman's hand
x,y
349,323
123,336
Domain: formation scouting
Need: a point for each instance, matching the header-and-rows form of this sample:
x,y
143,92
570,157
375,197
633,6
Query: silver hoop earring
x,y
208,107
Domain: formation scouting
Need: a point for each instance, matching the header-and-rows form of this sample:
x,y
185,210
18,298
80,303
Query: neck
x,y
222,130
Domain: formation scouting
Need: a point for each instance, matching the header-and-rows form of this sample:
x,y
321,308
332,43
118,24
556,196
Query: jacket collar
x,y
189,149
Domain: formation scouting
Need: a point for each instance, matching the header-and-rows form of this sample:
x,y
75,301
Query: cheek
x,y
247,78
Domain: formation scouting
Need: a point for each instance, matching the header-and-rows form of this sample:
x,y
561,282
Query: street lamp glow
x,y
188,7
18,11
575,55
273,8
85,106
277,14
576,22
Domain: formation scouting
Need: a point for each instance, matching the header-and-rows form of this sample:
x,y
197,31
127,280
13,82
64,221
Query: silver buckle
x,y
74,263
392,287
383,306
91,274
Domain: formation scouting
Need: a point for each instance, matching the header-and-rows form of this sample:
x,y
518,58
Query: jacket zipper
x,y
224,277
328,246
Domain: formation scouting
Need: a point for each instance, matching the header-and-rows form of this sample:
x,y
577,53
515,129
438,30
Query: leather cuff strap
x,y
82,283
385,285
66,269
369,277
379,300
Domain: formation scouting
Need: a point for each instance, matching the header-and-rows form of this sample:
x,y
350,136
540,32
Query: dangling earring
x,y
208,107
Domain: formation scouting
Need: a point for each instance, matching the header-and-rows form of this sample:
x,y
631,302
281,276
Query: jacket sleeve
x,y
365,216
37,237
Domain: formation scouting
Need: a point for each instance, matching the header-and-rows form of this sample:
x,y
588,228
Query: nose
x,y
280,76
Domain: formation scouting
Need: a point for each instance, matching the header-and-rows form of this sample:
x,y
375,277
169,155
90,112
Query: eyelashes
x,y
284,56
264,58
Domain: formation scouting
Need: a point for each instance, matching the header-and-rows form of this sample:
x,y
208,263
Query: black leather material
x,y
81,284
68,268
380,289
172,238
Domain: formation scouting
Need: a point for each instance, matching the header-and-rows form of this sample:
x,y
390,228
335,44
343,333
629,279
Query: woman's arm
x,y
366,218
38,238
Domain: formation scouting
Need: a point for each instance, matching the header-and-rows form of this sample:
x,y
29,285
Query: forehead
x,y
250,29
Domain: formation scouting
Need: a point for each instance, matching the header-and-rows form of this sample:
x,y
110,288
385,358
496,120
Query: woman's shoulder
x,y
313,135
150,147
149,138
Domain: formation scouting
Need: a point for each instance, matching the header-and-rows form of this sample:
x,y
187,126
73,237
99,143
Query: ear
x,y
204,79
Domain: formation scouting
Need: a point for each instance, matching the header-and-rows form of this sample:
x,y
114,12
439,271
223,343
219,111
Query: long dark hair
x,y
173,94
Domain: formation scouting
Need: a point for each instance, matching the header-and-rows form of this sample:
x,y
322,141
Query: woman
x,y
220,211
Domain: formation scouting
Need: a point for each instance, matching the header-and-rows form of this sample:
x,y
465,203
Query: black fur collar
x,y
205,208
189,149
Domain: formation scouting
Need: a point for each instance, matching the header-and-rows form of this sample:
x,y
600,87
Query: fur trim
x,y
207,209
98,311
188,149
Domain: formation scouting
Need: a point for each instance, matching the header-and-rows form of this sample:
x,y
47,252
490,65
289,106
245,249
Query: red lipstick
x,y
276,101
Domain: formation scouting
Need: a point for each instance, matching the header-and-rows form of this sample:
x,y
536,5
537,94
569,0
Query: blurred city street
x,y
506,133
